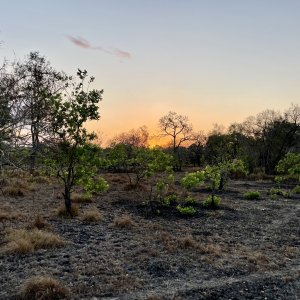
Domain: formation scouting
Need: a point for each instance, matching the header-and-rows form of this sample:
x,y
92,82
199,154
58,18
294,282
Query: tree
x,y
178,128
75,159
36,86
274,135
133,138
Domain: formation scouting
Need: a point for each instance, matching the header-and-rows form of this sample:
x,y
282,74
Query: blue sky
x,y
214,61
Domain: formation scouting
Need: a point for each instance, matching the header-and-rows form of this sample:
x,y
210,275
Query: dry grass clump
x,y
39,223
82,198
17,188
39,179
124,222
62,212
44,288
25,241
14,191
260,261
91,215
5,215
188,242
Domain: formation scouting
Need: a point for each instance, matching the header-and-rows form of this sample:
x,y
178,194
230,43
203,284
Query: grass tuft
x,y
82,198
44,288
62,212
123,222
25,241
91,215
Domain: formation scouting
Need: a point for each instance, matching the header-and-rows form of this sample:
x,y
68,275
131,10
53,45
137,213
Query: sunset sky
x,y
216,61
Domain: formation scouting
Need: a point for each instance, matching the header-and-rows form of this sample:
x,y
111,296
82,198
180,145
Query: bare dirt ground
x,y
247,249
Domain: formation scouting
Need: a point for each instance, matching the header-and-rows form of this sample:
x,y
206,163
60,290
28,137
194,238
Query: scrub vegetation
x,y
131,221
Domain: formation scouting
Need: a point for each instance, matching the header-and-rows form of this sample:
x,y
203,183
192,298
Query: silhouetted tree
x,y
178,128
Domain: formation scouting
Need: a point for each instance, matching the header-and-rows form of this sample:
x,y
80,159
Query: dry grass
x,y
25,241
188,242
39,223
39,179
62,212
91,215
44,288
81,198
4,215
260,261
124,221
17,188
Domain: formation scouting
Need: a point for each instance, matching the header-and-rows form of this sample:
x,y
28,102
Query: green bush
x,y
279,192
190,200
251,195
169,200
212,201
296,189
186,210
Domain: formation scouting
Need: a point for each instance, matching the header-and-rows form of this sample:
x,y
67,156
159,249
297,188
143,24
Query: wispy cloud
x,y
82,43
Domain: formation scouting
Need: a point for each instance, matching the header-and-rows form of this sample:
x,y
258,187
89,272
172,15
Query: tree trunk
x,y
68,203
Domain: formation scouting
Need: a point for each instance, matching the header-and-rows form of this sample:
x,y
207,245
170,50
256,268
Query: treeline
x,y
31,89
260,141
43,113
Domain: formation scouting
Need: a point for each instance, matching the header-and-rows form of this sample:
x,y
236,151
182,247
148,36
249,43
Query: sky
x,y
215,61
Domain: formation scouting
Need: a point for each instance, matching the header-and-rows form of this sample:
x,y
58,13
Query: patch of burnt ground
x,y
246,249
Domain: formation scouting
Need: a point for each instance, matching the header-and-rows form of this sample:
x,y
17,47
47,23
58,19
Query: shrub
x,y
296,189
252,195
193,179
91,215
44,288
279,192
190,200
186,210
170,200
212,201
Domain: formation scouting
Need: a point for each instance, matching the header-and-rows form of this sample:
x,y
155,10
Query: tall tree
x,y
37,85
74,158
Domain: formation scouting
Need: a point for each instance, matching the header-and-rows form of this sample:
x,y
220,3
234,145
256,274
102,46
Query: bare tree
x,y
179,129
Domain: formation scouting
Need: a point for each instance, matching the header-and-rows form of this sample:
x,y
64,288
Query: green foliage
x,y
216,175
190,201
139,162
74,158
251,195
212,201
193,179
213,175
289,167
296,189
280,192
170,200
186,210
276,191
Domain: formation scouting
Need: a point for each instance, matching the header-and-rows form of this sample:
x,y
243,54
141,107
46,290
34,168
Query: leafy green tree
x,y
76,161
216,176
139,163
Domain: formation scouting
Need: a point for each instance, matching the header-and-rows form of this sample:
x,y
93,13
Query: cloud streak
x,y
84,44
